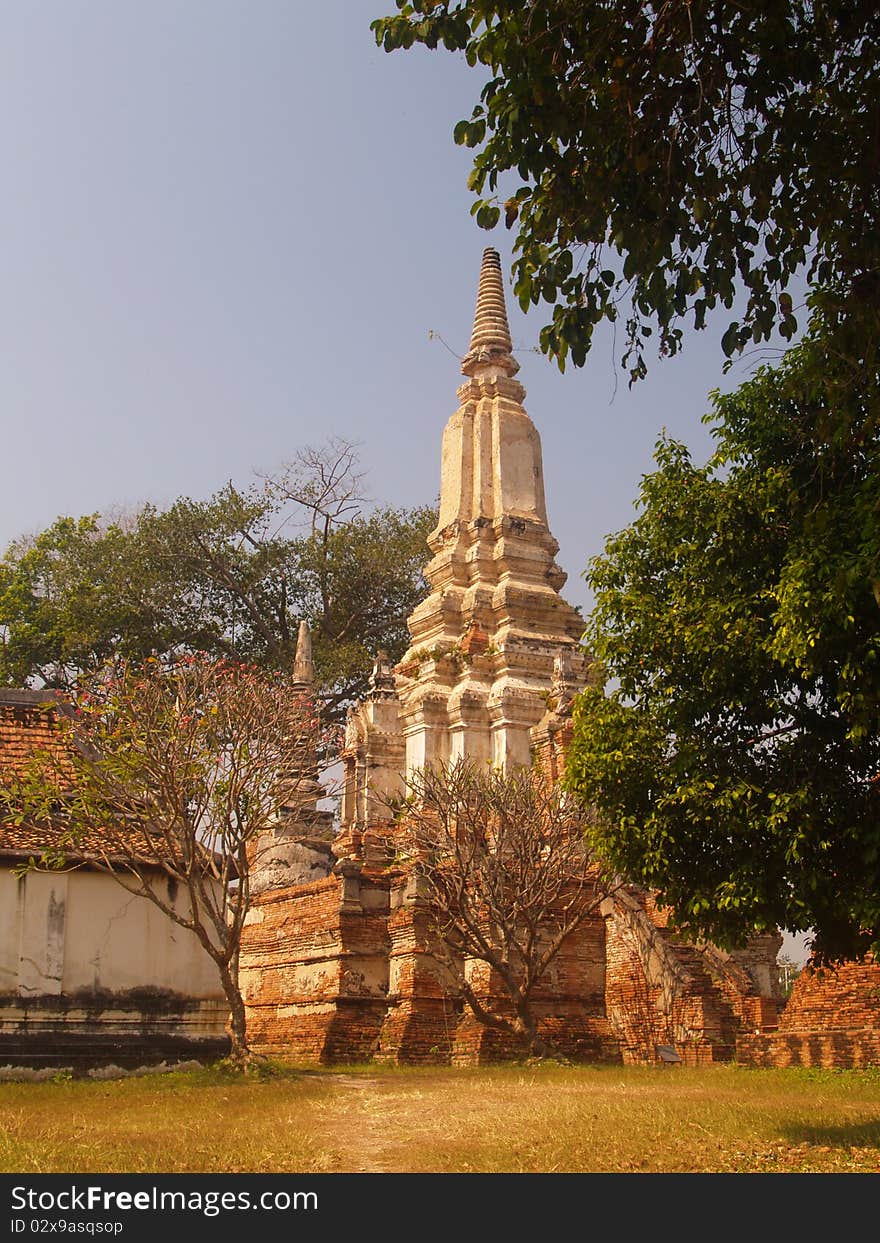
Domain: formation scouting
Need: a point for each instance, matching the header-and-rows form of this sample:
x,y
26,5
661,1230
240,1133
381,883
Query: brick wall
x,y
663,991
29,723
423,1011
314,969
832,1019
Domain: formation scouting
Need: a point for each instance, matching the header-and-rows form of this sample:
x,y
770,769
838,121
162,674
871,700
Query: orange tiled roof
x,y
32,721
26,840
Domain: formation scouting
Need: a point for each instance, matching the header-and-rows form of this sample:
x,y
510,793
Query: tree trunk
x,y
236,1027
528,1028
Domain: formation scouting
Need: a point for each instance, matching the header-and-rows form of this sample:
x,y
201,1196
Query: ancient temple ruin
x,y
334,965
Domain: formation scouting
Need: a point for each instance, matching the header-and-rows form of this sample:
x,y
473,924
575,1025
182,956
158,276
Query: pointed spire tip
x,y
490,339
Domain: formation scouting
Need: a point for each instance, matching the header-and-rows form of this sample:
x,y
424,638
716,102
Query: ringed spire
x,y
490,338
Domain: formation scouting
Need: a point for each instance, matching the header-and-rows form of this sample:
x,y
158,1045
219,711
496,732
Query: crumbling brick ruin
x,y
335,964
832,1019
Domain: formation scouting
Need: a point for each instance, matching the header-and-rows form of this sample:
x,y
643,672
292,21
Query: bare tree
x,y
173,774
507,875
325,482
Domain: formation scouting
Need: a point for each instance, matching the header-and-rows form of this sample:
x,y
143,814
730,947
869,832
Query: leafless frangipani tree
x,y
166,778
507,875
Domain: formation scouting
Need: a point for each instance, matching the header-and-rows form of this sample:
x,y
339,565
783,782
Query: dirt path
x,y
359,1125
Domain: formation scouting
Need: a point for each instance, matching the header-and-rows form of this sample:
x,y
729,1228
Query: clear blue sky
x,y
226,231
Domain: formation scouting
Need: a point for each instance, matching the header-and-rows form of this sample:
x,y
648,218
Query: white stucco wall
x,y
9,938
65,932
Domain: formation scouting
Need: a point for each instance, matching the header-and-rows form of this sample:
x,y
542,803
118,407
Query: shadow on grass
x,y
852,1135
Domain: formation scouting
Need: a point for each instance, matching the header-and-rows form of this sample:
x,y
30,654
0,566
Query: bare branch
x,y
506,877
324,481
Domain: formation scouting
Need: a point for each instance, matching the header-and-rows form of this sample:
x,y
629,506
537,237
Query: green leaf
x,y
730,340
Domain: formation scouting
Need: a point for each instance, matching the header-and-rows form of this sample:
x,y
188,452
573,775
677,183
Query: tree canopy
x,y
660,156
736,759
231,576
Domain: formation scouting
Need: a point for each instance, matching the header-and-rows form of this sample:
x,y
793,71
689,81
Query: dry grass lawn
x,y
503,1119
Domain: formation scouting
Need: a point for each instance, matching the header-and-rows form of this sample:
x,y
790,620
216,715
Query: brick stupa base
x,y
832,1019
